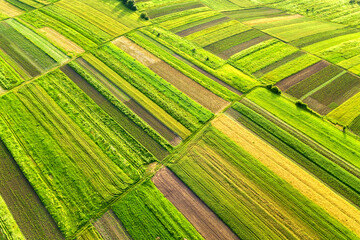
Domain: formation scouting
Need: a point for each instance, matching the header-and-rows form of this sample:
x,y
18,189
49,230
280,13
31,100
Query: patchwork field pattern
x,y
185,119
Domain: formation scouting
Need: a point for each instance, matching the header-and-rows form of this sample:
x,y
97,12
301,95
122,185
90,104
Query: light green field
x,y
316,128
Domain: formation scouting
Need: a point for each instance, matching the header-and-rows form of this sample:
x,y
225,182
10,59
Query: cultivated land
x,y
186,119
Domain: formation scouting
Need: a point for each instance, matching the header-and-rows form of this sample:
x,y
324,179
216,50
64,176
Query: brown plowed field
x,y
288,82
317,106
28,211
110,227
191,88
198,214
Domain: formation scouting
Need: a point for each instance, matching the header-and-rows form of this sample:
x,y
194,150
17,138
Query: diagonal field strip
x,y
322,85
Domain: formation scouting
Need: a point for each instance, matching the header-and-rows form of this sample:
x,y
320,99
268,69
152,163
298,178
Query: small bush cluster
x,y
144,16
130,4
274,89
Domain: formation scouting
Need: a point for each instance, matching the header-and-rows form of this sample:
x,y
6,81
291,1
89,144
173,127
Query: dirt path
x,y
198,214
110,227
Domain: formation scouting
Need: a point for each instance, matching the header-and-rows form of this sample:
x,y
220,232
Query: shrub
x,y
144,16
274,89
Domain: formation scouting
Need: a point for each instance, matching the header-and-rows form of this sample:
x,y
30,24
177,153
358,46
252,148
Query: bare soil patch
x,y
199,215
200,27
136,51
60,40
110,227
242,46
317,106
288,82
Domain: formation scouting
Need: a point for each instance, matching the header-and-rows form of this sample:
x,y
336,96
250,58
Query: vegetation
x,y
147,214
179,119
216,160
8,227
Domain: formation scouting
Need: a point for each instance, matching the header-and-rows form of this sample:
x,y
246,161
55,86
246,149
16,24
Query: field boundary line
x,y
323,85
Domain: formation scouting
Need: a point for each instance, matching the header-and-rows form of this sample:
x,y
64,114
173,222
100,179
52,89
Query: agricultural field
x,y
179,119
214,167
26,52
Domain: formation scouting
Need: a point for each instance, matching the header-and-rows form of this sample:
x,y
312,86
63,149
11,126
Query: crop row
x,y
255,192
216,33
177,104
169,9
314,81
147,214
328,171
201,58
195,15
132,123
176,63
262,55
8,227
316,128
119,83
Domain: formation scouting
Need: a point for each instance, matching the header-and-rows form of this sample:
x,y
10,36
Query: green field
x,y
147,214
182,119
216,168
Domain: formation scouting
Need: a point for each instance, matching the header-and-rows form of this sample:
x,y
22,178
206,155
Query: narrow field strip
x,y
147,214
118,82
288,82
23,202
203,219
60,40
173,76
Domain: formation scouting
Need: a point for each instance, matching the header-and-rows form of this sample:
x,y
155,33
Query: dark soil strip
x,y
209,75
135,131
27,209
203,26
288,82
238,48
277,64
302,137
317,106
143,113
110,227
5,46
191,206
